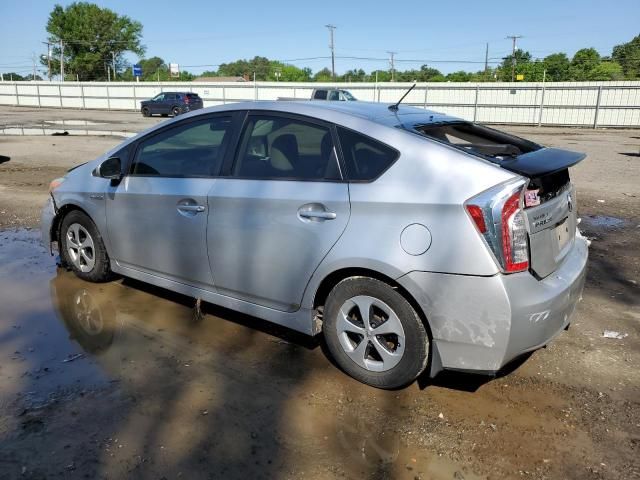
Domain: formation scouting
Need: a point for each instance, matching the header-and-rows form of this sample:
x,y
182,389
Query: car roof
x,y
332,111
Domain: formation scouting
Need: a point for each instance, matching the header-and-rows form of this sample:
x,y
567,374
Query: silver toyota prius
x,y
413,241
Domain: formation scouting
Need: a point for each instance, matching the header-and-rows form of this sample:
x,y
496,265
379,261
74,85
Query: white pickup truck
x,y
332,94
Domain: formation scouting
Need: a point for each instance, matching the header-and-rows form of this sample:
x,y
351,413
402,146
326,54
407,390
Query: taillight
x,y
478,217
498,216
514,236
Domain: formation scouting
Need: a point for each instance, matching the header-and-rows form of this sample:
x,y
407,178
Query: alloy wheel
x,y
80,248
370,333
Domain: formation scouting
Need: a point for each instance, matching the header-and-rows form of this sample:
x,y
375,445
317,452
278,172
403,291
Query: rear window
x,y
366,159
478,139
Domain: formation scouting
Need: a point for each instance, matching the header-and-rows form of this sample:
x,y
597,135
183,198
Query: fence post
x,y
108,99
84,106
426,89
295,92
38,95
475,105
595,115
15,86
60,94
541,104
224,95
135,98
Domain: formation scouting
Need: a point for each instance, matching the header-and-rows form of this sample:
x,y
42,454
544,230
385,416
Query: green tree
x,y
605,71
557,65
323,75
504,70
12,76
628,56
584,60
93,37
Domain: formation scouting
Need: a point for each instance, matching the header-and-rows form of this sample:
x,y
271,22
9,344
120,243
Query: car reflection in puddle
x,y
138,366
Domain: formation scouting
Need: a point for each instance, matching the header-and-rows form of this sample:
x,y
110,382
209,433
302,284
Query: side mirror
x,y
111,169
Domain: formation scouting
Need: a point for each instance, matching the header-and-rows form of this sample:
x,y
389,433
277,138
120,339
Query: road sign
x,y
520,76
137,70
174,69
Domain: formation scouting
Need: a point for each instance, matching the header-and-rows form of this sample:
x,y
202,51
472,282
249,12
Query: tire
x,y
82,248
175,111
146,112
389,360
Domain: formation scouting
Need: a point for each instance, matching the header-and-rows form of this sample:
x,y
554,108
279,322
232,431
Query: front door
x,y
278,212
157,215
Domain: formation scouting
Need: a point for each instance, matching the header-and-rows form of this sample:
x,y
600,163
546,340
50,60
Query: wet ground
x,y
123,380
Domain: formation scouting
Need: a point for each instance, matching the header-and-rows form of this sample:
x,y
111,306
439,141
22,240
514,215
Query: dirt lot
x,y
123,381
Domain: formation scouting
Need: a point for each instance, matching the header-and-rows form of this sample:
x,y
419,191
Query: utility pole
x,y
332,47
393,66
33,57
113,56
513,56
48,59
486,62
61,60
333,50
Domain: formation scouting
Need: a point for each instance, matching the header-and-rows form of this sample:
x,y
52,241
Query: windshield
x,y
477,139
348,96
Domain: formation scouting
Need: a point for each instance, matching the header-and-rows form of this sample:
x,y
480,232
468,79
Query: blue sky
x,y
194,33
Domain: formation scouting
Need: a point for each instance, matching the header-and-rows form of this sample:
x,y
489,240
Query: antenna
x,y
394,107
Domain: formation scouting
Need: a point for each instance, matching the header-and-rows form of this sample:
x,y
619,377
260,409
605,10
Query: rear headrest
x,y
284,152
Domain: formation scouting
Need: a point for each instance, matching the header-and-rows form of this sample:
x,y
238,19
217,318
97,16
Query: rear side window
x,y
192,95
286,148
194,149
320,95
366,159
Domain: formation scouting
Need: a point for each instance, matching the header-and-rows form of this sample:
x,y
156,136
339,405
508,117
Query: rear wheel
x,y
175,111
374,333
82,248
146,112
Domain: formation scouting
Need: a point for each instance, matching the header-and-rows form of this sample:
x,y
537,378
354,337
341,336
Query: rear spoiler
x,y
541,162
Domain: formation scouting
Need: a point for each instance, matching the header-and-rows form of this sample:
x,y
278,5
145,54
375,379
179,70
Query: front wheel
x,y
82,248
374,334
146,112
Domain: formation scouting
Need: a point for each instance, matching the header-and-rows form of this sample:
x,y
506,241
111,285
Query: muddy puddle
x,y
120,378
603,221
50,130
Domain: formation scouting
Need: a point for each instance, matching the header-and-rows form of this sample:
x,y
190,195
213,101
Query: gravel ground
x,y
122,380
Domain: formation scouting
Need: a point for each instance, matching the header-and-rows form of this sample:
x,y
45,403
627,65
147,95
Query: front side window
x,y
194,149
279,147
365,158
334,95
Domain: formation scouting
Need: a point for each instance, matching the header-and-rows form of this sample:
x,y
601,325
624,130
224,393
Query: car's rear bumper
x,y
482,323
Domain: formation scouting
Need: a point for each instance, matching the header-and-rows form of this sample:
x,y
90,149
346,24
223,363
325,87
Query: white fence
x,y
585,104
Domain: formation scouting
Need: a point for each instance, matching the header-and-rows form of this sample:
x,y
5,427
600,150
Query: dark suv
x,y
171,103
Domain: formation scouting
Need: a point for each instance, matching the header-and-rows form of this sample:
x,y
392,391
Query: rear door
x,y
278,211
157,215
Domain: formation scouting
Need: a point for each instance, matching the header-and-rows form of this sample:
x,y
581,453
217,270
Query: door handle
x,y
318,214
191,208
